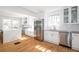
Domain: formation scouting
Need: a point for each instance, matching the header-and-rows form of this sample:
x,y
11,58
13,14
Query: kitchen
x,y
65,27
54,24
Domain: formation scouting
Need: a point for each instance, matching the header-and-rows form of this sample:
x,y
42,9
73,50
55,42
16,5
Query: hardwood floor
x,y
32,45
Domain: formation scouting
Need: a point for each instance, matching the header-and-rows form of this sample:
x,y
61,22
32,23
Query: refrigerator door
x,y
38,28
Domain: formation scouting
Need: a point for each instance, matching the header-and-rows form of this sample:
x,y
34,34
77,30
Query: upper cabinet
x,y
66,15
71,15
74,15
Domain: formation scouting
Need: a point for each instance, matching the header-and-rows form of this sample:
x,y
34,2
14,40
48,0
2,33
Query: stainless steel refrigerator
x,y
39,30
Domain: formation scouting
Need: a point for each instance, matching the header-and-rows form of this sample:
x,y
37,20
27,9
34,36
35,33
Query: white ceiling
x,y
24,10
38,9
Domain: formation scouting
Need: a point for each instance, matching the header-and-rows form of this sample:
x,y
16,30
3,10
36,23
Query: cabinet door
x,y
52,37
74,14
66,15
46,35
75,41
11,35
71,14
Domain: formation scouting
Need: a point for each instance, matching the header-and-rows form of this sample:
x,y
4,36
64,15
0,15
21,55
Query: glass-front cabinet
x,y
71,15
74,15
66,15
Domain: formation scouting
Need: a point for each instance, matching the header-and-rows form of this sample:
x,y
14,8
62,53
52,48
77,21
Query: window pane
x,y
53,20
15,24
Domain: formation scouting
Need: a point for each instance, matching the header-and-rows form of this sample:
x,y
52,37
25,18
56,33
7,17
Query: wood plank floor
x,y
32,45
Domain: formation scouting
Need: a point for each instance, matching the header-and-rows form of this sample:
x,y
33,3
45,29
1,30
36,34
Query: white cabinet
x,y
71,14
75,41
11,35
52,37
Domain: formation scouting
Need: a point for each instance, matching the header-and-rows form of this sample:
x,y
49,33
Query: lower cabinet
x,y
75,41
52,37
11,35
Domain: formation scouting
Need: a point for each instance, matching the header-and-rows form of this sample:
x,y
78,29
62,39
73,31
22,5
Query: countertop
x,y
61,31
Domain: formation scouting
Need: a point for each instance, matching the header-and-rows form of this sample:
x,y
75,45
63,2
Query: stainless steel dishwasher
x,y
65,39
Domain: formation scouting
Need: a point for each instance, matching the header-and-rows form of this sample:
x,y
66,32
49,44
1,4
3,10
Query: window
x,y
53,20
15,24
11,24
6,24
30,23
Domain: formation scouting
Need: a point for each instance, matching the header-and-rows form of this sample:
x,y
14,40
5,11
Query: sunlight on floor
x,y
24,38
43,49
